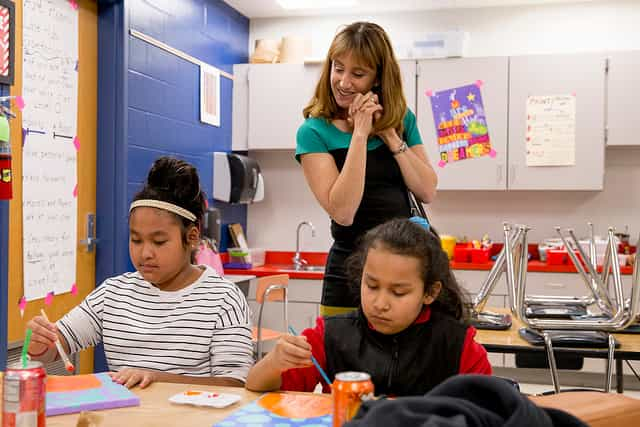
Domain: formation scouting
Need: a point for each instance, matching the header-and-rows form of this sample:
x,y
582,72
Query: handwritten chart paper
x,y
551,130
461,124
49,121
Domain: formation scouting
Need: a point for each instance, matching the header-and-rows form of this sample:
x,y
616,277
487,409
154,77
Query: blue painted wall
x,y
149,105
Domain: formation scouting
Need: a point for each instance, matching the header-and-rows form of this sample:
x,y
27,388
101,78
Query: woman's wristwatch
x,y
403,147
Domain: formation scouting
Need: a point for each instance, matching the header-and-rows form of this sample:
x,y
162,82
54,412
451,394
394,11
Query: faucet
x,y
298,262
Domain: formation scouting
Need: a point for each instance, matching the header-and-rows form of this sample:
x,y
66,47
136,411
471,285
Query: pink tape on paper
x,y
442,163
74,4
429,93
573,94
76,143
75,191
22,304
74,289
49,298
493,153
20,102
479,83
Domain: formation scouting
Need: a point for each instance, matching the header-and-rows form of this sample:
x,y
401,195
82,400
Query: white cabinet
x,y
240,111
268,100
277,95
580,75
623,92
482,173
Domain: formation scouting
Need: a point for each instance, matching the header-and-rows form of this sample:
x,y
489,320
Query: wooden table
x,y
155,410
509,341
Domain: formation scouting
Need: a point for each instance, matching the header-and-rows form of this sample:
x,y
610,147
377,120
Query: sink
x,y
312,268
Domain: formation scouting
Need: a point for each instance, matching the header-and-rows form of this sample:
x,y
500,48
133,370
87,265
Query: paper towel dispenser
x,y
236,178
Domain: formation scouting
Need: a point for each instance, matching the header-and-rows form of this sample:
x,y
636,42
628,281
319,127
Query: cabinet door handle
x,y
512,174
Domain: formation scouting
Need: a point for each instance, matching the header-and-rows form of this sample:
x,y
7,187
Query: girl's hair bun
x,y
175,181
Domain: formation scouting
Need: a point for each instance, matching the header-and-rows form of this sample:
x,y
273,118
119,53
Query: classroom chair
x,y
270,289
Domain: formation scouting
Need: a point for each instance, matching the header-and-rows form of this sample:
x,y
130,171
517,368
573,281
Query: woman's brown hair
x,y
370,46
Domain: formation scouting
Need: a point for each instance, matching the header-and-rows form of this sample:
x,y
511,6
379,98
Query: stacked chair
x,y
596,314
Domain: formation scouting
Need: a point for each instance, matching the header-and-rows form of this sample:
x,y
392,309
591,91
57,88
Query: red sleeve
x,y
474,358
305,379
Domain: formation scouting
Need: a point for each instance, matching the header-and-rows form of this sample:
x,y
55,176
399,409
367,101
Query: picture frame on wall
x,y
209,95
7,41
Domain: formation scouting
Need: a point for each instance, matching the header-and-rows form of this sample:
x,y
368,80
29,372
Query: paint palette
x,y
205,398
283,410
70,394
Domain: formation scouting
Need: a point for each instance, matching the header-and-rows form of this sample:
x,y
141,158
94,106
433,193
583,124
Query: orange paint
x,y
297,405
192,393
72,383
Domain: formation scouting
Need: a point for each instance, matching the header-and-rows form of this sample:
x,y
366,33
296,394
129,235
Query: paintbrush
x,y
315,362
63,355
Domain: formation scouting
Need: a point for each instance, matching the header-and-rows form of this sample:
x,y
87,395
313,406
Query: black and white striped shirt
x,y
201,330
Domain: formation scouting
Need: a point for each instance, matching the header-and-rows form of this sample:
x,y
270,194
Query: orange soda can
x,y
23,395
349,390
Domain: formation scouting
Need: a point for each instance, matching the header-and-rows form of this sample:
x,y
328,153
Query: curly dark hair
x,y
403,237
176,181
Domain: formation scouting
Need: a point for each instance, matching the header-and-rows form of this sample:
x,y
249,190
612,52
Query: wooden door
x,y
87,134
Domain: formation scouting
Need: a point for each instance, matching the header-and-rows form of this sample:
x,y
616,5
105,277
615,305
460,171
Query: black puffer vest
x,y
411,362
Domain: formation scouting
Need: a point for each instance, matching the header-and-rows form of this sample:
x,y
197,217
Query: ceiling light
x,y
315,4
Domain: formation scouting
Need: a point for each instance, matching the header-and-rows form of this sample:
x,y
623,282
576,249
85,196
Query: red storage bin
x,y
479,256
462,254
557,256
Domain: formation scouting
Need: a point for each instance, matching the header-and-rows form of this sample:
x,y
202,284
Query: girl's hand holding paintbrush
x,y
290,352
43,338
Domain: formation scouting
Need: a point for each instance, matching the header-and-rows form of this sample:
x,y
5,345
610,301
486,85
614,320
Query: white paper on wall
x,y
551,130
49,215
49,121
209,95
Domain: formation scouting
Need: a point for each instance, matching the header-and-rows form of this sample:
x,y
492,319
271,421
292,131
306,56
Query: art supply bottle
x,y
349,390
23,395
6,192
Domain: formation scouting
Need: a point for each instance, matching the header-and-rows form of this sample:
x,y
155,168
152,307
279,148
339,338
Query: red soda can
x,y
349,390
23,395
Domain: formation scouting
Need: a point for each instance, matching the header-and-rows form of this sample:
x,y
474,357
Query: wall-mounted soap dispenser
x,y
236,179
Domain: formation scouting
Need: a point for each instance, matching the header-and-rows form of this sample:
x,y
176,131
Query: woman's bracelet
x,y
403,147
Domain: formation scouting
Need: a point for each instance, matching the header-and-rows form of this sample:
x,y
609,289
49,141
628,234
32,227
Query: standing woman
x,y
360,149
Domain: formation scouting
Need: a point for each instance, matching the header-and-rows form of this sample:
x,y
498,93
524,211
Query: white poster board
x,y
551,130
49,121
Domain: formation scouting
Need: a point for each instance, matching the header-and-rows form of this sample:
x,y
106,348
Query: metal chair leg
x,y
609,375
552,361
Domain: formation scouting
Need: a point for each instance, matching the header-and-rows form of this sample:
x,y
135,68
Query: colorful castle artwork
x,y
283,410
461,124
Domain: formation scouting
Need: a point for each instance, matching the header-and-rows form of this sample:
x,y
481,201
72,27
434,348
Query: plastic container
x,y
253,256
479,256
448,245
462,254
557,256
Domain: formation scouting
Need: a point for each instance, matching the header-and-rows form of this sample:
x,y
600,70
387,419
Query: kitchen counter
x,y
278,262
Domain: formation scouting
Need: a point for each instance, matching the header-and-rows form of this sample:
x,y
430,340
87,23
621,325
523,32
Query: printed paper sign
x,y
461,124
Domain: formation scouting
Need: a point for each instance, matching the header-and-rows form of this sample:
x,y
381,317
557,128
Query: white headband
x,y
163,205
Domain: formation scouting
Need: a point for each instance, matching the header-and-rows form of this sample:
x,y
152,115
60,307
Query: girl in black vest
x,y
409,333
